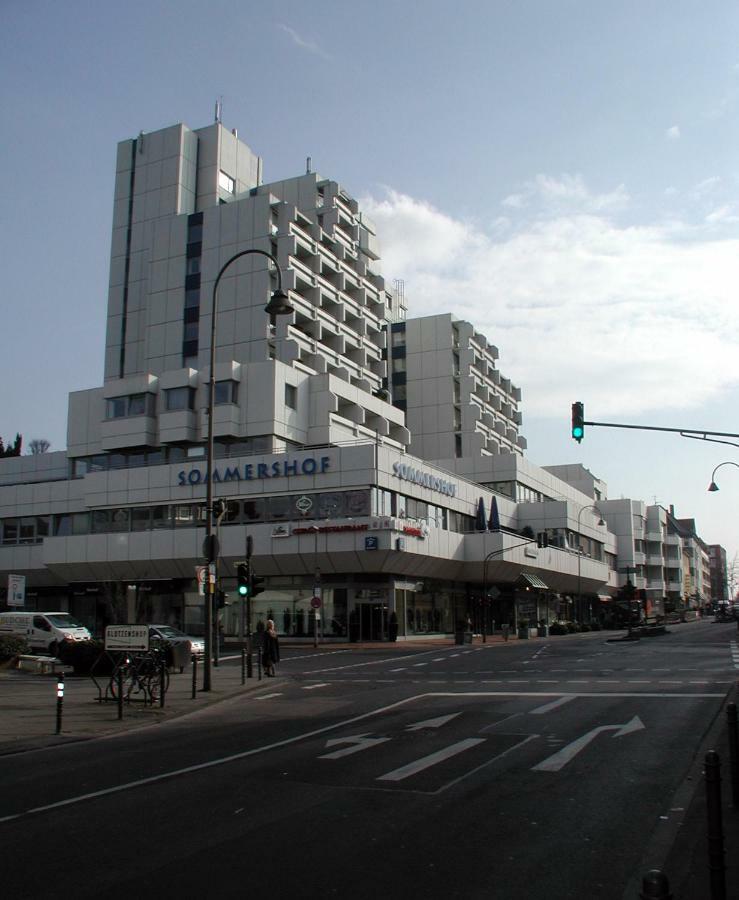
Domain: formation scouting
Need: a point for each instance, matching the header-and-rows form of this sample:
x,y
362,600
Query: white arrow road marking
x,y
548,707
359,741
566,754
433,723
427,761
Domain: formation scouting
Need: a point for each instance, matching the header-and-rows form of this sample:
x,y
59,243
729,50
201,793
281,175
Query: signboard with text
x,y
127,637
16,590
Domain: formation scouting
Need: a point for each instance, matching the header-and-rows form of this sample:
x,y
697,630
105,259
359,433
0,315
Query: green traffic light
x,y
578,421
243,590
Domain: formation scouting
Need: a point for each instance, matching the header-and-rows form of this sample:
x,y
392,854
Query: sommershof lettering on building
x,y
283,468
425,479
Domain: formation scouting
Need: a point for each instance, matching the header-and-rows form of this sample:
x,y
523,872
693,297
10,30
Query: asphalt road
x,y
527,770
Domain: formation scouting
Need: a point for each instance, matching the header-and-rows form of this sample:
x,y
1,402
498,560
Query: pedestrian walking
x,y
270,648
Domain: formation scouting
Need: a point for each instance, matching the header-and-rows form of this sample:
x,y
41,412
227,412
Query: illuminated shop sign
x,y
425,479
283,468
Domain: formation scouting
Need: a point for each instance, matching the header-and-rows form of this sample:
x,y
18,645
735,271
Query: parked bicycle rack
x,y
136,677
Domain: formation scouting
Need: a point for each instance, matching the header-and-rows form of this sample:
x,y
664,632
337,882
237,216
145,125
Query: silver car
x,y
174,636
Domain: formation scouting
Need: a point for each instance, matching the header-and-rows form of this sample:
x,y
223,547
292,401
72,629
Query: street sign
x,y
201,574
127,637
315,602
16,590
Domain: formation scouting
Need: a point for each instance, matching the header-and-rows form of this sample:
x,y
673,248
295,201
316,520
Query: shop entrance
x,y
372,622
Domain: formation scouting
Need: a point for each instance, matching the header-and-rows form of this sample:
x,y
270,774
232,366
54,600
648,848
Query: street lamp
x,y
713,487
579,553
279,305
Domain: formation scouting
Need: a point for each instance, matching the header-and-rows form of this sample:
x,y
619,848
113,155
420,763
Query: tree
x,y
15,450
38,445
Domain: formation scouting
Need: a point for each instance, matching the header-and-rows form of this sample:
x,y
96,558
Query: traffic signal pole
x,y
579,421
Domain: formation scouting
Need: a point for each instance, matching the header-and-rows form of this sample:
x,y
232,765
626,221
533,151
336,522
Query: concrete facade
x,y
359,449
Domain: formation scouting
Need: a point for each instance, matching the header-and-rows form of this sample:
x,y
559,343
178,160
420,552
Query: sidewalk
x,y
28,702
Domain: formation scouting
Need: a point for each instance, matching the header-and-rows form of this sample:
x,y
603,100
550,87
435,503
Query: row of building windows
x,y
175,400
172,455
294,508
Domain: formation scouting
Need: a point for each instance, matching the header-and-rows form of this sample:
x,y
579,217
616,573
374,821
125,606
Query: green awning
x,y
532,581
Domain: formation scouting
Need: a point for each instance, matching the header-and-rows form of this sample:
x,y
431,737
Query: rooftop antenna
x,y
308,163
219,108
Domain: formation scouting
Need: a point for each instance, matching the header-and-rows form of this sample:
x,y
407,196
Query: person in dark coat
x,y
270,648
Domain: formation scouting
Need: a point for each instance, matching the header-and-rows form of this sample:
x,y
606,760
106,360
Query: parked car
x,y
45,632
176,639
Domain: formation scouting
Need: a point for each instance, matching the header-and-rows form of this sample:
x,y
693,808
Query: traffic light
x,y
221,599
243,575
256,585
578,421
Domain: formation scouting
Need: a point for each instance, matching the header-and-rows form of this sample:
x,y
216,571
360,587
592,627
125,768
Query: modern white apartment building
x,y
357,448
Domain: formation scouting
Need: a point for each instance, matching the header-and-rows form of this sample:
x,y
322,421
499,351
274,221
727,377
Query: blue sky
x,y
563,174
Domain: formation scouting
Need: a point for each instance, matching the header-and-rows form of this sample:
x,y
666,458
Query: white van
x,y
44,631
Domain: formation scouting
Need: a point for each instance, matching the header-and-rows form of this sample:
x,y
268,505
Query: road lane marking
x,y
246,754
312,687
359,742
433,723
559,760
548,707
432,759
267,696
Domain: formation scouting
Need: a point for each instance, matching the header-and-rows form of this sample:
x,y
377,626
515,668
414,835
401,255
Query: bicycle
x,y
144,673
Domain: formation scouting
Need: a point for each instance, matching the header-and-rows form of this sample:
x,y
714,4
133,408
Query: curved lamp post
x,y
490,555
579,552
713,487
279,305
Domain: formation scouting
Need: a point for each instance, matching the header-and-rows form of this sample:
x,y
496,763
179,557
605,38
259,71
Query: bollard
x,y
716,864
59,701
655,886
162,673
120,693
194,676
733,753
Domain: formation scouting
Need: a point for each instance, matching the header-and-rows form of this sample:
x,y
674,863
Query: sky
x,y
564,174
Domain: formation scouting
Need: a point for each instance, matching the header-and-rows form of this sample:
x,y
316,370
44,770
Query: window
x,y
226,182
141,519
226,392
132,405
10,531
291,396
137,405
116,408
181,398
192,298
193,265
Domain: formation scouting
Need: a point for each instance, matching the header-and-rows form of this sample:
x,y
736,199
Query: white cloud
x,y
644,316
302,42
566,191
673,133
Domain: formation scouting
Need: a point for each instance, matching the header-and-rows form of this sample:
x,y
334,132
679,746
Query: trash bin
x,y
505,629
461,636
